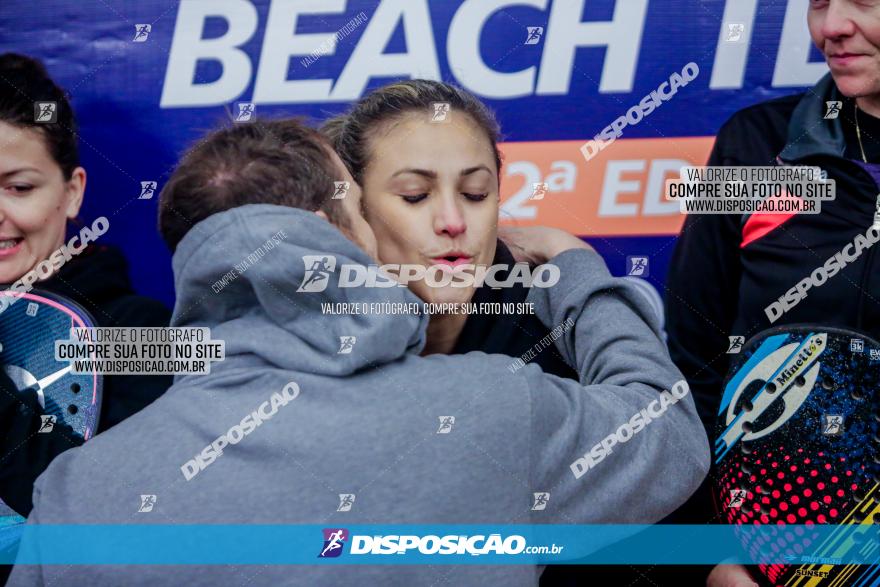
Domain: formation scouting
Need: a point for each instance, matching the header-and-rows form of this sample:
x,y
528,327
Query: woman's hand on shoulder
x,y
538,244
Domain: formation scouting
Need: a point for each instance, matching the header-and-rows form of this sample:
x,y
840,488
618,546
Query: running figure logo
x,y
533,35
832,424
446,423
341,189
735,32
441,111
45,112
833,109
737,497
47,423
346,501
637,266
346,345
334,541
141,32
541,499
246,111
318,270
147,503
539,190
736,344
148,188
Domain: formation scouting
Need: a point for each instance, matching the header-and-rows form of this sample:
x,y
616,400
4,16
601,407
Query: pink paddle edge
x,y
75,321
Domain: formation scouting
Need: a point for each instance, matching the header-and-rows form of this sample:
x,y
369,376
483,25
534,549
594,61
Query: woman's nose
x,y
450,219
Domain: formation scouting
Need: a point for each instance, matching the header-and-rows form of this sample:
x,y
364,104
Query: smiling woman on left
x,y
45,246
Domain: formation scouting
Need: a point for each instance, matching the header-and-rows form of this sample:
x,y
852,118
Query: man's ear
x,y
322,214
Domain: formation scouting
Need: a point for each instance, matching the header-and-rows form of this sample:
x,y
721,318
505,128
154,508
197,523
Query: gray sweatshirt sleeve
x,y
29,575
633,452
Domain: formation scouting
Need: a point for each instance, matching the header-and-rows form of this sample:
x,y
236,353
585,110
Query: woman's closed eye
x,y
20,188
413,199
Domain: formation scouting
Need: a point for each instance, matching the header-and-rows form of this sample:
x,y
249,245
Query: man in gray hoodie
x,y
336,419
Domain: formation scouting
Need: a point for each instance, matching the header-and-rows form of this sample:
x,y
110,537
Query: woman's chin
x,y
443,295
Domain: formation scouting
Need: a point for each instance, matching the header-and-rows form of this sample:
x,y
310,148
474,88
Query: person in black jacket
x,y
728,272
41,190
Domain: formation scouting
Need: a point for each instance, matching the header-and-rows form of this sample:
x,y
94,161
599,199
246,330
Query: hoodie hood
x,y
238,272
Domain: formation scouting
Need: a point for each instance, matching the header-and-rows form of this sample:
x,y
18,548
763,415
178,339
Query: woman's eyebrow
x,y
423,172
19,170
471,170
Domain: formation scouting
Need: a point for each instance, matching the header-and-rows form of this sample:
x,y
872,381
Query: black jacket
x,y
722,278
97,279
506,334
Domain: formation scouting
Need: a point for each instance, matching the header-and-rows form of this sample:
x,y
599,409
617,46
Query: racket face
x,y
795,443
28,331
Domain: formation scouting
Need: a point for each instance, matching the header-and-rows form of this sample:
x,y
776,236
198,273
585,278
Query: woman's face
x,y
848,34
431,195
35,201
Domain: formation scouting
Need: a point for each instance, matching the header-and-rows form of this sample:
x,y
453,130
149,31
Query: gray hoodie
x,y
366,422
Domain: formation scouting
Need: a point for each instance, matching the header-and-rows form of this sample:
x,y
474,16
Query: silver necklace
x,y
859,133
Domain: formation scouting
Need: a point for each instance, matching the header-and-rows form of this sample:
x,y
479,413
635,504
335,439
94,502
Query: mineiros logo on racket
x,y
788,373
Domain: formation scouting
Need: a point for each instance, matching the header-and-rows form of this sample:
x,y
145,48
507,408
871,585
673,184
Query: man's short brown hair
x,y
280,162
